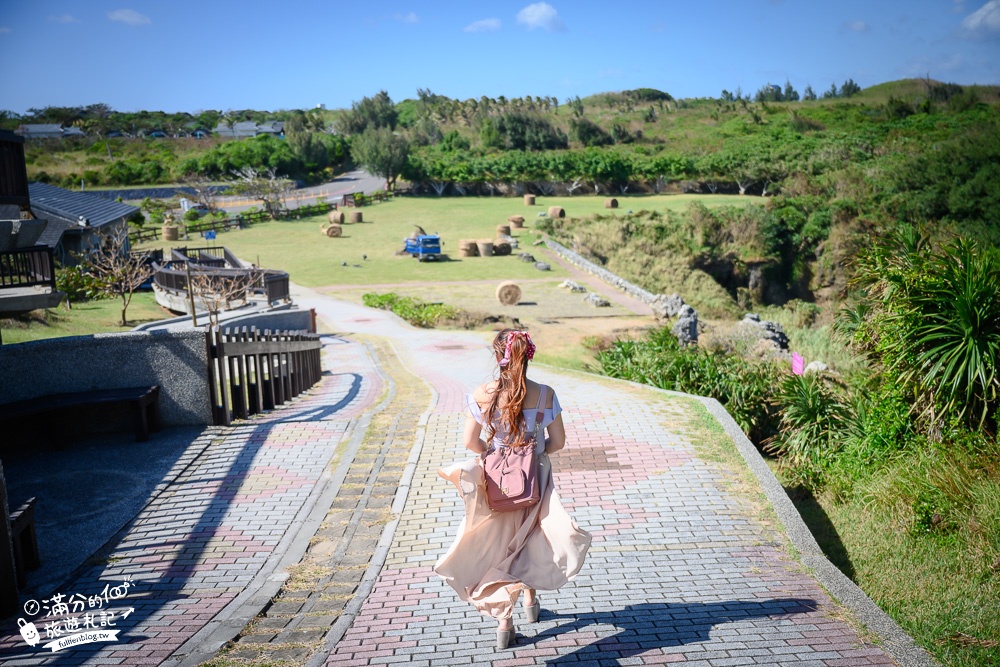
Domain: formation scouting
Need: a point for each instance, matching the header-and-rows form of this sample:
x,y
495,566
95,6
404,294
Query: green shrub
x,y
416,312
79,284
743,386
812,419
934,323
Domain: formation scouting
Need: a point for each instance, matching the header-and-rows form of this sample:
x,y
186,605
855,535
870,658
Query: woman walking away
x,y
499,554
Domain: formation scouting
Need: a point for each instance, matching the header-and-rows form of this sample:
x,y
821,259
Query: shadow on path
x,y
650,626
185,527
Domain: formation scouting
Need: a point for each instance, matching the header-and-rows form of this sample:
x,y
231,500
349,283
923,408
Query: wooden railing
x,y
250,371
27,267
274,285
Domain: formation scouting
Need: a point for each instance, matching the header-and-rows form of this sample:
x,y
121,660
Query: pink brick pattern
x,y
202,540
680,570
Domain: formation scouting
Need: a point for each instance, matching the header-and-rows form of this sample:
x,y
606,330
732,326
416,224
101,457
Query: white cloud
x,y
64,18
856,26
485,25
985,21
541,15
410,17
129,17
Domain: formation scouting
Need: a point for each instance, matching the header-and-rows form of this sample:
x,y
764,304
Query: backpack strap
x,y
540,410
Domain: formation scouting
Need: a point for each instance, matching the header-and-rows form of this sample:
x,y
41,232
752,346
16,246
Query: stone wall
x,y
176,361
602,273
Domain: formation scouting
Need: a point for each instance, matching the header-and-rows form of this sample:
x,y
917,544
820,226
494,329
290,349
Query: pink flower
x,y
798,363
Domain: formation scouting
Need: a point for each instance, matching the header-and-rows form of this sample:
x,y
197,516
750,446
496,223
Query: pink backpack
x,y
512,472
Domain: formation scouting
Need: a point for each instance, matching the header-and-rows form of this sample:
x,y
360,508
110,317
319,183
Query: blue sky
x,y
184,55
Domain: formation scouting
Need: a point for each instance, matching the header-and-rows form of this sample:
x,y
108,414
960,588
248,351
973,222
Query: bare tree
x,y
217,291
264,186
119,271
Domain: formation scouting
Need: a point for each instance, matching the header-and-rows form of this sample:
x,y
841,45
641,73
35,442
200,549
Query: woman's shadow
x,y
649,626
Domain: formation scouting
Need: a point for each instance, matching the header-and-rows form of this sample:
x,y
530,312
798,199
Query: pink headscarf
x,y
510,339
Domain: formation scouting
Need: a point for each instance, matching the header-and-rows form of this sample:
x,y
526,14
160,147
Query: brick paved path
x,y
234,503
688,562
682,568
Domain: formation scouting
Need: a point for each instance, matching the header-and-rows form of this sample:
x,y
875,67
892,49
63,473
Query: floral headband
x,y
510,339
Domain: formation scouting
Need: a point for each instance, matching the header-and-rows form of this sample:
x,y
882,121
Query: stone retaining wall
x,y
177,361
629,288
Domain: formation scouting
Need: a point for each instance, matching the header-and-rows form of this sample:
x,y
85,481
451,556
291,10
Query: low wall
x,y
631,289
280,318
176,361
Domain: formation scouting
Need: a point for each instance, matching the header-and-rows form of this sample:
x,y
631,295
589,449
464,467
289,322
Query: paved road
x,y
352,181
320,522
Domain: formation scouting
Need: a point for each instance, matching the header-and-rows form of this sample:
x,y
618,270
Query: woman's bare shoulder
x,y
484,392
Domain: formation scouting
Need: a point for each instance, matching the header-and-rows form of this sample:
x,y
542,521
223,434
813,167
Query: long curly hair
x,y
508,398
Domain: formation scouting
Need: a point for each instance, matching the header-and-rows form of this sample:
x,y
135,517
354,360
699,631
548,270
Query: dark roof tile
x,y
49,201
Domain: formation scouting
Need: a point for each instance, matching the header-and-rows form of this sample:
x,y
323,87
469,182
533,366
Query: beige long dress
x,y
497,554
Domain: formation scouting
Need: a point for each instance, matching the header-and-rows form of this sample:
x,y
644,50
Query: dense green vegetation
x,y
902,450
150,148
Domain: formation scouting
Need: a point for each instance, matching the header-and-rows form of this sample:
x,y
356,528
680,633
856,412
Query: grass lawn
x,y
313,260
89,317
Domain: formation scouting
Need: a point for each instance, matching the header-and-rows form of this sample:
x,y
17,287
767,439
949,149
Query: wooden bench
x,y
144,401
22,534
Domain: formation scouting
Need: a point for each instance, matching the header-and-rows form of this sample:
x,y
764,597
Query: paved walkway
x,y
309,534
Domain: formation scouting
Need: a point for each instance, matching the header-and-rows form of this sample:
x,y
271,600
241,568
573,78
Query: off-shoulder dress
x,y
497,554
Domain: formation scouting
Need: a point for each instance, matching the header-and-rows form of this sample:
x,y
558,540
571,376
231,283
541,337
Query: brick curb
x,y
367,583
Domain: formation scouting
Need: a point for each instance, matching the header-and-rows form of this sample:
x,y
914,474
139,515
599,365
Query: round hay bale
x,y
503,230
529,200
336,217
485,248
508,293
516,221
501,248
355,216
333,231
611,202
557,212
468,248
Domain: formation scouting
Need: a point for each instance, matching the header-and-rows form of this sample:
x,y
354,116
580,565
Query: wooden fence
x,y
250,371
241,221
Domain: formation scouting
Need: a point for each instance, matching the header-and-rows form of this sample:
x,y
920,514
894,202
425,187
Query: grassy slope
x,y
61,158
941,584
